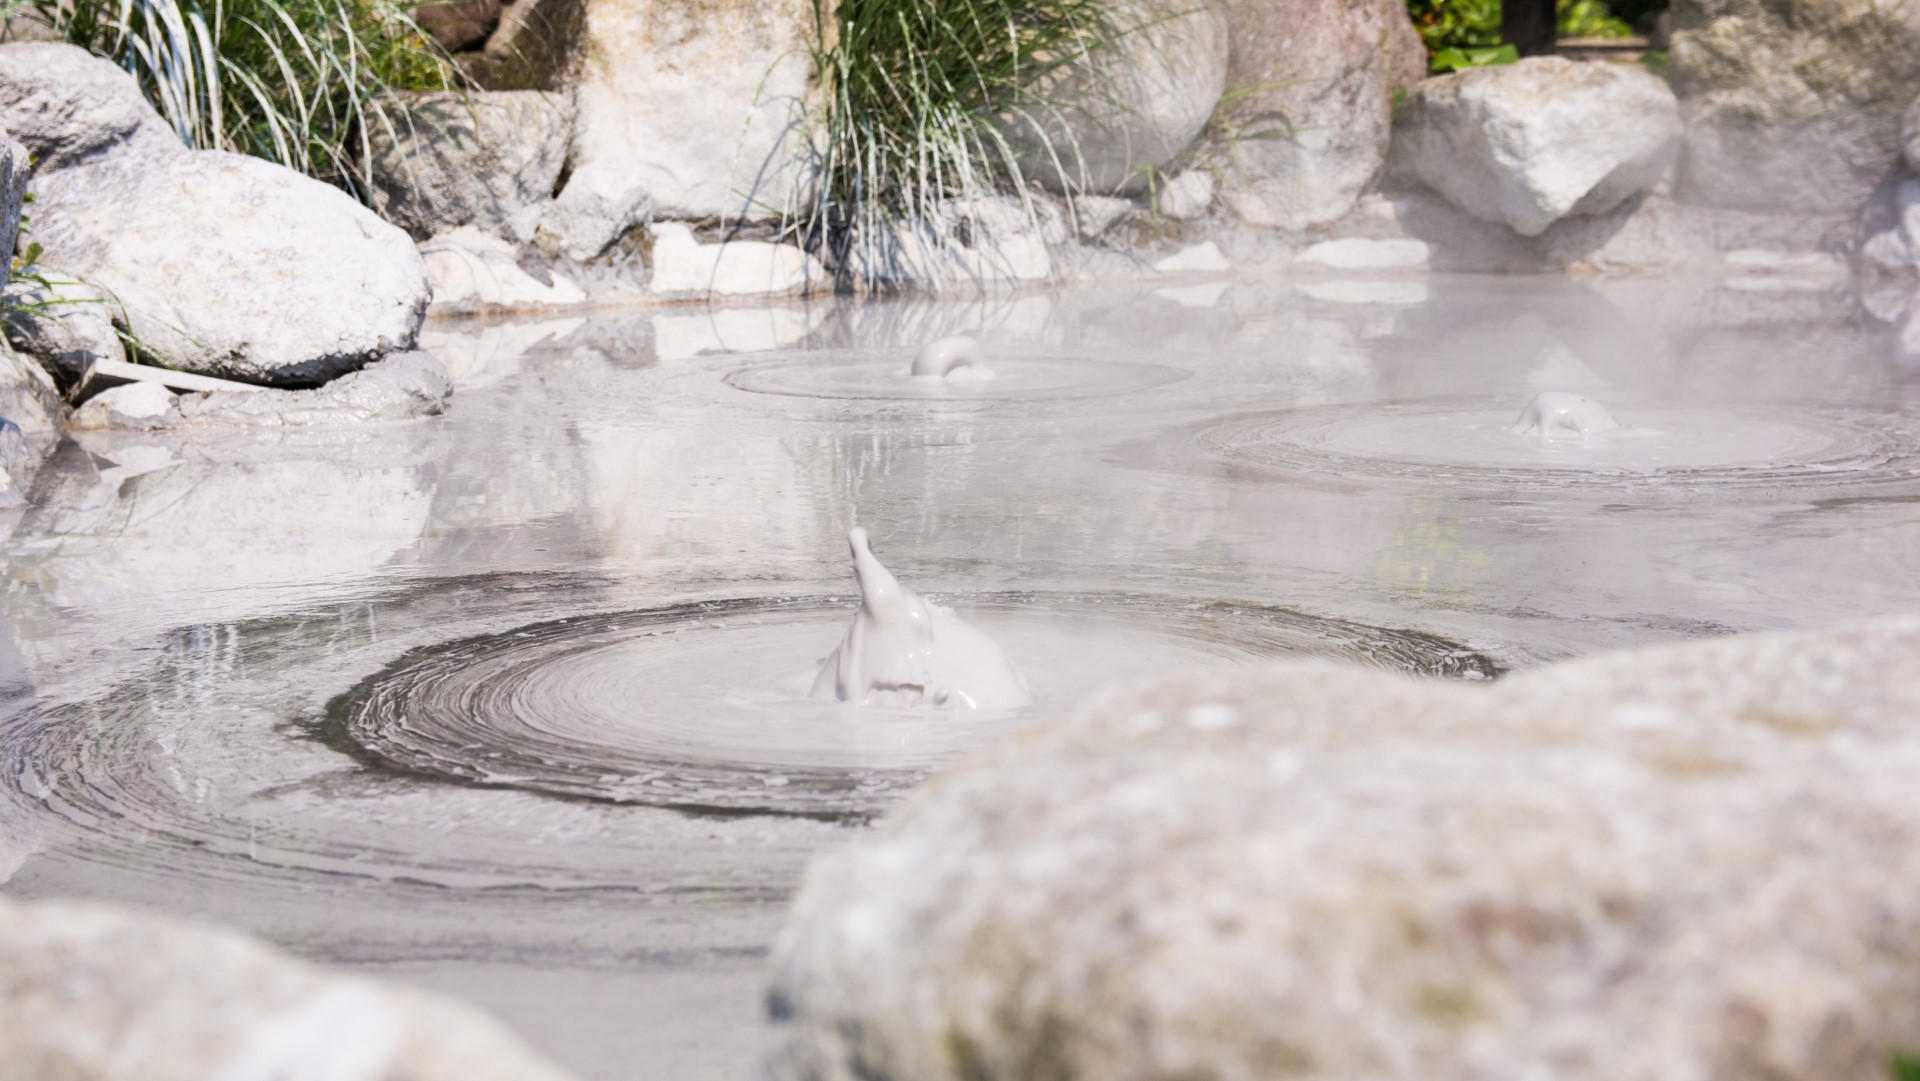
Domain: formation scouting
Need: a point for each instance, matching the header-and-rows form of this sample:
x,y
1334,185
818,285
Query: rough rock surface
x,y
682,266
403,386
1316,80
1530,143
65,324
88,991
969,244
1687,862
533,48
489,160
28,399
684,111
1133,107
1793,104
458,24
132,407
223,264
14,167
474,272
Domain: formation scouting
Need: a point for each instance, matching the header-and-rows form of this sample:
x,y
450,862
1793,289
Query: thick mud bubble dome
x,y
904,652
706,705
956,357
1558,414
950,369
1561,442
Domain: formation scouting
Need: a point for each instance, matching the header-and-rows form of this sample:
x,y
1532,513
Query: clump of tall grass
x,y
919,98
304,83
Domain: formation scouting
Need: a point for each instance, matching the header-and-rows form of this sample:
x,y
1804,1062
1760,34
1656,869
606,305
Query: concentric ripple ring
x,y
703,705
866,377
1467,442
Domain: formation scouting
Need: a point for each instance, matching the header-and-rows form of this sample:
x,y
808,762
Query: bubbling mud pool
x,y
706,705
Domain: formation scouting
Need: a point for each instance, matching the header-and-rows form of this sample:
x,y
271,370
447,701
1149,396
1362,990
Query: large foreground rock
x,y
220,264
1134,107
1690,862
685,111
91,993
1792,104
1530,143
1314,82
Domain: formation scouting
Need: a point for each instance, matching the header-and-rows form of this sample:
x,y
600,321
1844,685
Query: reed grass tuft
x,y
300,82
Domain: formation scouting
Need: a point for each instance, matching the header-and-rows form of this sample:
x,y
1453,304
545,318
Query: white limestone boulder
x,y
222,264
1132,107
1792,104
88,991
1528,144
132,407
1690,861
65,324
473,272
484,159
1313,84
683,267
683,112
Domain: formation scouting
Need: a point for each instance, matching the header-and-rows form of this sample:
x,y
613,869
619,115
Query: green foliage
x,y
1905,1068
299,82
1452,59
1470,24
917,96
1589,19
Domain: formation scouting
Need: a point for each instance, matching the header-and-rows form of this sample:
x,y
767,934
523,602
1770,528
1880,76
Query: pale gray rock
x,y
14,167
474,272
67,106
223,265
130,407
28,398
489,160
682,267
103,994
1692,861
1132,107
1184,196
684,112
1795,104
1910,137
1895,244
65,324
1095,214
1528,144
403,386
988,242
1316,80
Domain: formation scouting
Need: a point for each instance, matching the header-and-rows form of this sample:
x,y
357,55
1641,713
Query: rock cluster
x,y
216,263
1692,861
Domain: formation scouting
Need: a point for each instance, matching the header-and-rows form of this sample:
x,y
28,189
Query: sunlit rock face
x,y
1794,104
1315,81
906,652
684,111
1558,414
1690,861
109,995
1525,145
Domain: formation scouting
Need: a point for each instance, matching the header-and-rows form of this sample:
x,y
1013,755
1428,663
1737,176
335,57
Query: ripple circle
x,y
1014,377
702,705
1468,442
